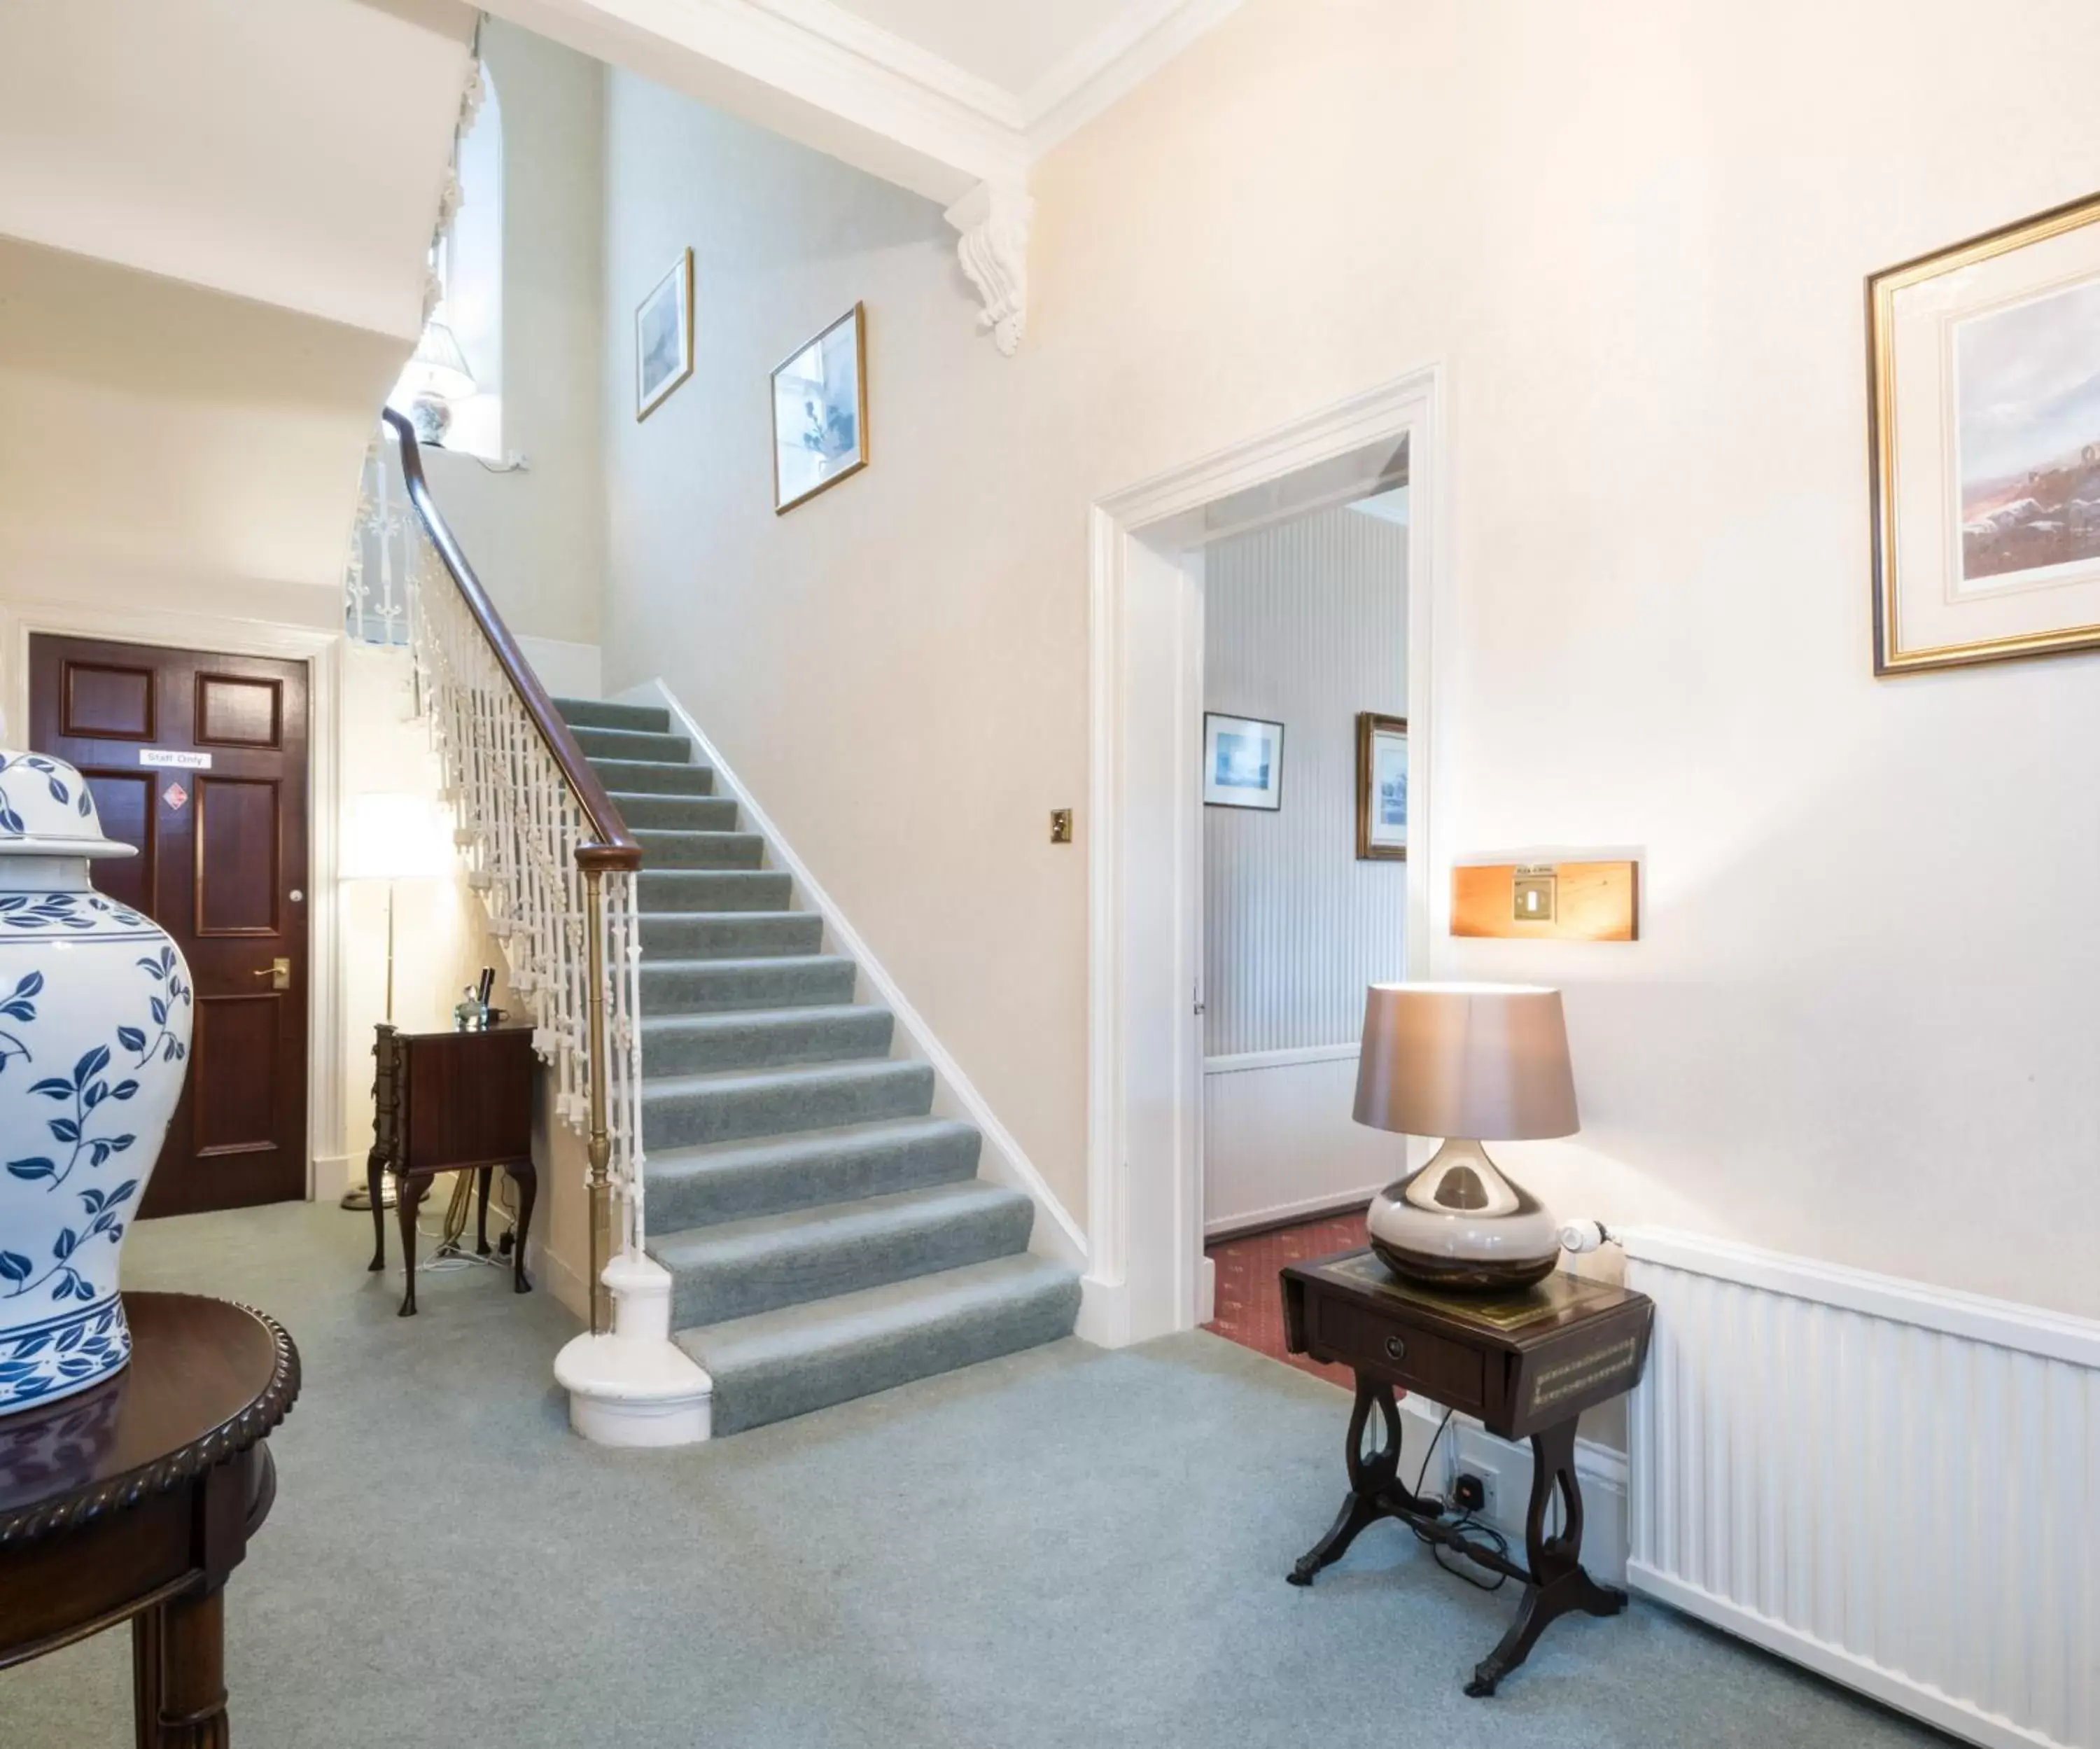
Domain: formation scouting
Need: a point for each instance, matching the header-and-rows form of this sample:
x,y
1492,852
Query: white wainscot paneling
x,y
1279,1140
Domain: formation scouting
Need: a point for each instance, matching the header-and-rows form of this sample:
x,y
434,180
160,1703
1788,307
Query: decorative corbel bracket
x,y
994,251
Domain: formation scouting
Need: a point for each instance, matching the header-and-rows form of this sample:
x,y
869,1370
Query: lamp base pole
x,y
1458,1223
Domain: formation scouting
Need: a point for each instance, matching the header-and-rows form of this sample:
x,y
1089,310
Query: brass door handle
x,y
279,972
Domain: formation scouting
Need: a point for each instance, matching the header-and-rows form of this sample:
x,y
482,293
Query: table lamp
x,y
1466,1062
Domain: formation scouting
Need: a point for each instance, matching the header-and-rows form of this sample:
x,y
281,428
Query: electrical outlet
x,y
1474,1492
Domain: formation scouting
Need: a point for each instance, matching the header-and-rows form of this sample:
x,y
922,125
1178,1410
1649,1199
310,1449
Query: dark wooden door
x,y
200,761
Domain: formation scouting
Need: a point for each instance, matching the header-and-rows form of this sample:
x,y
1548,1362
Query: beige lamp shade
x,y
1485,1061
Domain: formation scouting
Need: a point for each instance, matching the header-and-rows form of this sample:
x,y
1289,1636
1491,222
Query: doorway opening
x,y
1168,556
199,761
1304,895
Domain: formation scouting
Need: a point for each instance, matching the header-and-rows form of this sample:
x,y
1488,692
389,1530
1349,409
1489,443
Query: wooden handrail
x,y
615,847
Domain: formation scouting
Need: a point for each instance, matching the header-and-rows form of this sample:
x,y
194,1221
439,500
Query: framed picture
x,y
820,413
1381,787
663,338
1242,762
1985,434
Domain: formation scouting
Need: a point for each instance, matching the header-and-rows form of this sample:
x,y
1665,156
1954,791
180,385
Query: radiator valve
x,y
1579,1236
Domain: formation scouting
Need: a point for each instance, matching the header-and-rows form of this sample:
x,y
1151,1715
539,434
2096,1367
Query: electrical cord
x,y
1489,1535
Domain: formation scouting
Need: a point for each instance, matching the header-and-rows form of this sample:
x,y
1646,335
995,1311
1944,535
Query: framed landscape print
x,y
1984,412
820,413
664,337
1381,787
1242,762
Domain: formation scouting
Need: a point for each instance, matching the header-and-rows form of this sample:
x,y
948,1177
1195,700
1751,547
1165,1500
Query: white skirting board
x,y
1894,1485
1280,1142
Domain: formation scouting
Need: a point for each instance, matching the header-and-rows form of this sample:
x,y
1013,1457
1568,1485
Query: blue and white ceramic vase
x,y
95,1040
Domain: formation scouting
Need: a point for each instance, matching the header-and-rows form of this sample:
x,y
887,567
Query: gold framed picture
x,y
664,337
820,413
1984,407
1381,787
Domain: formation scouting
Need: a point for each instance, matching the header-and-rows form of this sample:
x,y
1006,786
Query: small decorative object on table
x,y
1465,1061
451,1102
471,1013
1526,1361
94,1033
137,1498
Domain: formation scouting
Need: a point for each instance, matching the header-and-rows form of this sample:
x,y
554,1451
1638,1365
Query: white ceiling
x,y
1013,44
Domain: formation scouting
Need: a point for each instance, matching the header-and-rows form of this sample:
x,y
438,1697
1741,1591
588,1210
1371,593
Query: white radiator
x,y
1894,1484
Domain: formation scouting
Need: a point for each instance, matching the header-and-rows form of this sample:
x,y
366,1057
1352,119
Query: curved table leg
x,y
1375,1487
1559,1584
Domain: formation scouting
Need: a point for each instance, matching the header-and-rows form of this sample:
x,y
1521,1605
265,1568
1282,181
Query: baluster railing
x,y
542,843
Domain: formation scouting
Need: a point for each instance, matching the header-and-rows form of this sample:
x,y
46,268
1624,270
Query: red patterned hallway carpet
x,y
1250,1305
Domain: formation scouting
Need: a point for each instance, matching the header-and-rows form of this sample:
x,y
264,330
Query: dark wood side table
x,y
451,1102
135,1499
1526,1364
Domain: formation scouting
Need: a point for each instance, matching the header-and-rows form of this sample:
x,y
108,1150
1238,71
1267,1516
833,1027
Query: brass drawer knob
x,y
1394,1349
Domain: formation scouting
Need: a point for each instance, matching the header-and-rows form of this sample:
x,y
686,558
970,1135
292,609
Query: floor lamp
x,y
392,837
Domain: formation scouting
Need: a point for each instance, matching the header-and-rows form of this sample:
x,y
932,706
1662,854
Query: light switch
x,y
1534,896
1061,825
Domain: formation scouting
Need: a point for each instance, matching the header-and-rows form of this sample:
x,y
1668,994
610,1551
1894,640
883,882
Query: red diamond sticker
x,y
174,795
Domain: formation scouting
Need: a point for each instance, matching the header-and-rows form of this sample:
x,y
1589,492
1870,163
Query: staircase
x,y
826,1236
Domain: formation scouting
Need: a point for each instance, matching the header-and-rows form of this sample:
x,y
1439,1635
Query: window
x,y
453,388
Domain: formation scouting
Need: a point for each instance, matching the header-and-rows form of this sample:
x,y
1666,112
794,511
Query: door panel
x,y
236,1047
238,832
233,712
222,867
110,703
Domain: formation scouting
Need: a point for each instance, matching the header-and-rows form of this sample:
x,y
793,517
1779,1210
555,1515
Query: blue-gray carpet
x,y
1061,1548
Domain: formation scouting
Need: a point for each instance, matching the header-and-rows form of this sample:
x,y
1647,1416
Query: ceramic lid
x,y
46,811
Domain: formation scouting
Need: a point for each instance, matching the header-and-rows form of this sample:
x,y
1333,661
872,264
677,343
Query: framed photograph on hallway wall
x,y
664,337
1985,434
1381,787
1242,762
820,413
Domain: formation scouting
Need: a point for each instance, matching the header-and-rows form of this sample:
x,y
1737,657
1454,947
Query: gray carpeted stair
x,y
826,1236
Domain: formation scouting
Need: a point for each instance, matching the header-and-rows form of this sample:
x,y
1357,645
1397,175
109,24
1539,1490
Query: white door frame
x,y
1145,1227
327,1164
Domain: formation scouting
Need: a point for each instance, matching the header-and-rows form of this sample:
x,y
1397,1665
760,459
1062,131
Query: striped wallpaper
x,y
1304,623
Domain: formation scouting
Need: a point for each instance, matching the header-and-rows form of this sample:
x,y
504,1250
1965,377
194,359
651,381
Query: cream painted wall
x,y
1860,1022
148,424
889,668
537,538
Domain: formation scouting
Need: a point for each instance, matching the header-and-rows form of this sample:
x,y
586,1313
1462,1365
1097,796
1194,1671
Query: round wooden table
x,y
135,1500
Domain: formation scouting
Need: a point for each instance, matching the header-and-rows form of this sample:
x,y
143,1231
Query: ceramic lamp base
x,y
1459,1223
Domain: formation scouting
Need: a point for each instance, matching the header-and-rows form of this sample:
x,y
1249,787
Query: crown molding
x,y
821,74
1113,64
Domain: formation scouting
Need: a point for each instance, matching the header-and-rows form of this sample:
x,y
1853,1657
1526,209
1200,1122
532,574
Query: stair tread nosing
x,y
601,713
633,744
796,1358
656,1087
730,1242
741,1268
732,1181
761,1038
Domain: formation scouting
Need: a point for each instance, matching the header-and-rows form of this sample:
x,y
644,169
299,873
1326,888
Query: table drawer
x,y
1452,1374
